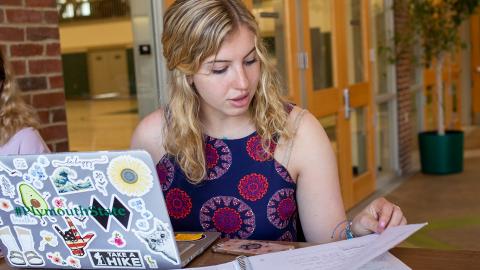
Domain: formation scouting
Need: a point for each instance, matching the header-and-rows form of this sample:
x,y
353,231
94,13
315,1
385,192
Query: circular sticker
x,y
130,176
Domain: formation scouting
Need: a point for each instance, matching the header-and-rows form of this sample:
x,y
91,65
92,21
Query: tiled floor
x,y
101,124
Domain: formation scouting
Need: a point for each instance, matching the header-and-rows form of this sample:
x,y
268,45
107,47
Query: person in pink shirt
x,y
18,121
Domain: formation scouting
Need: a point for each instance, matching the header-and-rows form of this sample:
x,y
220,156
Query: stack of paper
x,y
367,252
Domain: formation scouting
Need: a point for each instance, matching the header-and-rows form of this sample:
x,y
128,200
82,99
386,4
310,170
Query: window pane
x,y
320,21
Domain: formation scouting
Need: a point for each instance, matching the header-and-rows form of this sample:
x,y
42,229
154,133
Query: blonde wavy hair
x,y
193,31
15,114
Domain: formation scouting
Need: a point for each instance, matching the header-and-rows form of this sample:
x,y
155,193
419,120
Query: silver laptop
x,y
89,210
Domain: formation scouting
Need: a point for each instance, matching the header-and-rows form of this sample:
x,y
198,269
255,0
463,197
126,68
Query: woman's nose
x,y
241,80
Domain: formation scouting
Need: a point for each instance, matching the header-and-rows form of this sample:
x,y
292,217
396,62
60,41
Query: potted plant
x,y
434,25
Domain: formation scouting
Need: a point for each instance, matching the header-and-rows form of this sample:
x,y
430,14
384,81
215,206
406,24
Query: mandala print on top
x,y
281,208
256,151
228,215
287,236
282,171
166,172
253,186
179,204
219,158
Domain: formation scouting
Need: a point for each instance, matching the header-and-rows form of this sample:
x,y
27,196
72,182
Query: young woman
x,y
232,155
18,122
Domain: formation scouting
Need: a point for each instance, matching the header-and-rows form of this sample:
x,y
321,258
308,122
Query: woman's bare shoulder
x,y
148,134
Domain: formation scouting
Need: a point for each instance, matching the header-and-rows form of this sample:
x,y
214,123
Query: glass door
x,y
336,39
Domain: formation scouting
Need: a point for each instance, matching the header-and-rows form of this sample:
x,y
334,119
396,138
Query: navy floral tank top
x,y
246,193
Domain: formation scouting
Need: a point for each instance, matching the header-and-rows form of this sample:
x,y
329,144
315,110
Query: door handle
x,y
478,69
346,102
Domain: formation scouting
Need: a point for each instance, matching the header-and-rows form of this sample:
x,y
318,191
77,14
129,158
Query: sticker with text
x,y
127,259
117,211
76,161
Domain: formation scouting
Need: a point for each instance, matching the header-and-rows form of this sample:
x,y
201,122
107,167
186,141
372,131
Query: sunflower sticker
x,y
130,176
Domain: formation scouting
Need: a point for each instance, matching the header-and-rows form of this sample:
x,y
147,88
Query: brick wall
x,y
403,77
29,38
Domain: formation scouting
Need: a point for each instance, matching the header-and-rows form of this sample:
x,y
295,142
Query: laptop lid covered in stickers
x,y
99,210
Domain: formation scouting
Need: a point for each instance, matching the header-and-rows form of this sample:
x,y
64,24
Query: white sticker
x,y
138,204
43,161
75,161
117,240
150,261
100,182
56,258
65,181
160,240
8,189
147,215
23,220
48,238
142,224
73,262
23,255
20,164
38,184
5,205
37,172
8,170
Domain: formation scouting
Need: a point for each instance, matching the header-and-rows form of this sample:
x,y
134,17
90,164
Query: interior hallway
x,y
101,124
451,204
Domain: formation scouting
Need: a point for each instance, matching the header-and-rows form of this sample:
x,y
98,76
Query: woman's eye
x,y
219,71
251,62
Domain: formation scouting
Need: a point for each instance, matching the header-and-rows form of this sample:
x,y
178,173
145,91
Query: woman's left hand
x,y
376,217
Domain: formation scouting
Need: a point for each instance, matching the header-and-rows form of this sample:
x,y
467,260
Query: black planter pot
x,y
441,154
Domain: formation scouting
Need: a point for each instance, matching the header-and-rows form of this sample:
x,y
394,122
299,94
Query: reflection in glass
x,y
320,21
270,15
358,124
381,42
355,42
384,129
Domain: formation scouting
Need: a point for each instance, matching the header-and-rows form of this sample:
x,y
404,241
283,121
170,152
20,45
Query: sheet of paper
x,y
349,254
366,253
385,261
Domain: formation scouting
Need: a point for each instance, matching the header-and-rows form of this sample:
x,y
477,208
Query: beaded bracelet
x,y
348,230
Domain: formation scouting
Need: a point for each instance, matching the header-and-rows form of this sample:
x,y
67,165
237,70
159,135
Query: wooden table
x,y
415,258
